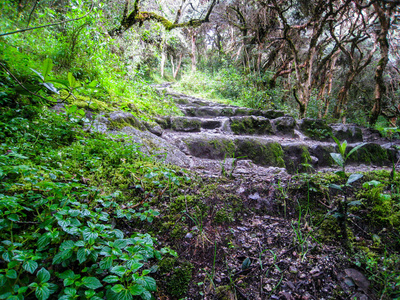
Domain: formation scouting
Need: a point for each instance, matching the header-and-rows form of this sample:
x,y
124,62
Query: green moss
x,y
370,153
316,129
186,124
180,275
225,292
224,148
269,154
250,125
224,215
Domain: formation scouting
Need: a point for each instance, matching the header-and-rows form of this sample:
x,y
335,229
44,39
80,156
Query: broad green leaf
x,y
338,159
106,263
117,288
43,241
50,87
42,292
70,292
22,289
68,281
136,266
341,174
149,283
89,293
3,280
336,187
66,274
62,256
373,183
146,295
30,266
118,270
137,289
38,73
67,245
120,244
124,295
81,255
342,148
43,275
12,274
91,282
354,177
111,279
71,80
47,66
355,149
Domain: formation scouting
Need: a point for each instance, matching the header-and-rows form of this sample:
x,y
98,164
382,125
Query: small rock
x,y
293,269
255,196
302,276
189,235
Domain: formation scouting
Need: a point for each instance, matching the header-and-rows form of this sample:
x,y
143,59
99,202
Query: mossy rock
x,y
251,125
261,153
370,153
296,158
323,153
121,119
186,124
271,114
347,132
228,111
210,147
315,129
284,125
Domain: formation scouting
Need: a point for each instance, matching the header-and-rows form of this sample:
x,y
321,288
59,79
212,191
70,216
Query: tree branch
x,y
48,25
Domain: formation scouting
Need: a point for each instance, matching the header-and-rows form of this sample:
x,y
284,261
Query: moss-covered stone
x,y
211,147
370,153
251,125
297,158
186,124
315,129
121,119
266,154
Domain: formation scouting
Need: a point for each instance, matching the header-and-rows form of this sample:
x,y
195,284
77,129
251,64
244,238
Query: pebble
x,y
188,235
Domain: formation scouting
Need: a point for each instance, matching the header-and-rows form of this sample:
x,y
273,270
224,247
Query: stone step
x,y
229,111
272,152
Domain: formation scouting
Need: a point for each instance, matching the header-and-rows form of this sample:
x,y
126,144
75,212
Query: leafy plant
x,y
341,157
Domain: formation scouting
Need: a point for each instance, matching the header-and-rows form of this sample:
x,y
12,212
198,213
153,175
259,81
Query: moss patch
x,y
267,154
251,125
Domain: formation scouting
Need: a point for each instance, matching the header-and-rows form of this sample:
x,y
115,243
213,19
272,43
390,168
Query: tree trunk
x,y
193,54
163,59
384,20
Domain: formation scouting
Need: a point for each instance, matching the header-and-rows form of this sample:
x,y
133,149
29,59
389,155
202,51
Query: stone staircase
x,y
220,138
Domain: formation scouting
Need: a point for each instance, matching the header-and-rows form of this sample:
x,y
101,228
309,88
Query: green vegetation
x,y
89,215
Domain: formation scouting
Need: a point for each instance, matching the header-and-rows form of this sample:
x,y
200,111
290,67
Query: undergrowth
x,y
61,210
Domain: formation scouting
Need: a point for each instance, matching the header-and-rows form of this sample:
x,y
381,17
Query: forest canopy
x,y
328,59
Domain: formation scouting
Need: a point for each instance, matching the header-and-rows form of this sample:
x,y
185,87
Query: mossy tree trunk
x,y
136,16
